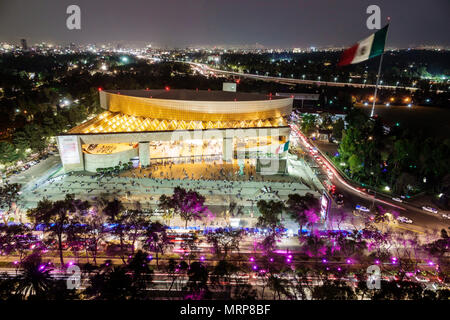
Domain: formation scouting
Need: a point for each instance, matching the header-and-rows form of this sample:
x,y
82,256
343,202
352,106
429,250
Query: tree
x,y
56,216
197,282
142,274
9,194
188,204
95,230
112,283
35,280
8,153
270,214
301,208
333,290
279,287
156,239
338,127
309,123
221,275
15,238
113,210
398,290
224,240
440,247
135,226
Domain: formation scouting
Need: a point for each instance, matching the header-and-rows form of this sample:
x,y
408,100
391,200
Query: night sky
x,y
270,23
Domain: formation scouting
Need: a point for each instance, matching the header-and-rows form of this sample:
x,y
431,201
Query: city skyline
x,y
285,24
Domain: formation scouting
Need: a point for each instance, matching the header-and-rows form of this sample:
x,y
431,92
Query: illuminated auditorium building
x,y
153,126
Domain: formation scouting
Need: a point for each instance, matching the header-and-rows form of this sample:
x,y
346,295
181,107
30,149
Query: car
x,y
421,279
404,220
361,208
397,199
446,216
429,209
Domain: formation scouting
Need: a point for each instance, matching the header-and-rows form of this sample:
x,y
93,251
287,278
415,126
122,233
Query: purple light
x,y
339,269
70,263
288,260
252,259
349,261
328,268
41,267
202,258
290,256
430,263
324,260
255,267
377,261
16,262
149,257
271,259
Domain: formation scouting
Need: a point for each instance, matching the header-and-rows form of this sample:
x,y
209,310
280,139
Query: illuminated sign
x,y
69,152
324,206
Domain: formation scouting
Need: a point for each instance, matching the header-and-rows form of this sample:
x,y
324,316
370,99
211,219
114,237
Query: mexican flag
x,y
365,49
282,148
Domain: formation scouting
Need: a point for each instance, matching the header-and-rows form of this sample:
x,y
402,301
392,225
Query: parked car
x,y
397,199
446,216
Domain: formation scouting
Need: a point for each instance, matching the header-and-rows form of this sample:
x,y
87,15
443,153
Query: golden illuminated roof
x,y
195,105
118,122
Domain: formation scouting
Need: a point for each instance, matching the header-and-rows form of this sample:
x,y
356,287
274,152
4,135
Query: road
x,y
423,222
205,70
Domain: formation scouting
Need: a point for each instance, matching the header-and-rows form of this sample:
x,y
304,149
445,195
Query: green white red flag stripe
x,y
365,49
282,148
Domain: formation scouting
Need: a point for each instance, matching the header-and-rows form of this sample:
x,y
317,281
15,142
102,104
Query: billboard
x,y
325,203
68,149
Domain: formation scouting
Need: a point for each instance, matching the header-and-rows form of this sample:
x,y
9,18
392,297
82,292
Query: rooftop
x,y
195,95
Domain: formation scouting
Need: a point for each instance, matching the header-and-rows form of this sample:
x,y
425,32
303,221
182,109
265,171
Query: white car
x,y
421,279
446,216
404,220
361,208
429,209
397,199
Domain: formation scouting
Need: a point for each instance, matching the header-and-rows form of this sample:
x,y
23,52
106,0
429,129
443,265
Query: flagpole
x,y
376,86
378,75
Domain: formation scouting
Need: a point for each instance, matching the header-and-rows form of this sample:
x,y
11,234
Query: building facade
x,y
142,126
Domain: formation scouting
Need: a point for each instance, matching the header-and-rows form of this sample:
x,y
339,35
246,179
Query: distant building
x,y
23,42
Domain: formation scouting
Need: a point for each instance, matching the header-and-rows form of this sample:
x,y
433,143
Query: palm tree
x,y
35,280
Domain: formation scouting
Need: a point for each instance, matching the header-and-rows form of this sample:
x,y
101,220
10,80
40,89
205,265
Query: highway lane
x,y
205,69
